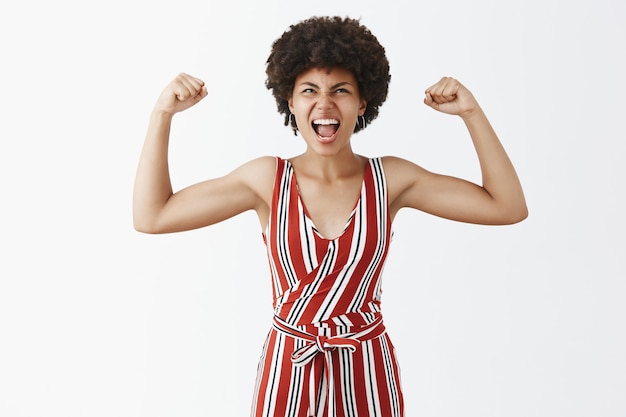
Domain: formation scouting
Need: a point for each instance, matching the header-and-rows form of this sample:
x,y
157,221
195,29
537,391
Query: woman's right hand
x,y
181,93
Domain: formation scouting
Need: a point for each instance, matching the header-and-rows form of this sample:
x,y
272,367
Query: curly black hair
x,y
329,42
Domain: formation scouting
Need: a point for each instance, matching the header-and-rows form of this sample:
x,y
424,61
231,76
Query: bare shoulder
x,y
393,163
401,173
261,166
258,174
401,176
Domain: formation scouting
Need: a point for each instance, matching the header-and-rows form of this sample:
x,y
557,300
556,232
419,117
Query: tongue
x,y
326,130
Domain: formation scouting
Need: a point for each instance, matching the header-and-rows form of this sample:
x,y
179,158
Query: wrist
x,y
161,115
473,114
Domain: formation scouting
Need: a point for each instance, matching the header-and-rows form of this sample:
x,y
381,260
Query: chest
x,y
329,206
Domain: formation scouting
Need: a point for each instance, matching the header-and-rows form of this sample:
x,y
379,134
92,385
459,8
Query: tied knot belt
x,y
316,344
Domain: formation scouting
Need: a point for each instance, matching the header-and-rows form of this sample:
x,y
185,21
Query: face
x,y
326,105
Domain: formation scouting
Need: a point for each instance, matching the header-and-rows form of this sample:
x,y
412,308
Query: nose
x,y
325,101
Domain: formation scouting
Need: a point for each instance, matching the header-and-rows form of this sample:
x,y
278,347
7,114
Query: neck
x,y
330,167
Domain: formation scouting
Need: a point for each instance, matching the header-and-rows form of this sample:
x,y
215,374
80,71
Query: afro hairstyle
x,y
328,42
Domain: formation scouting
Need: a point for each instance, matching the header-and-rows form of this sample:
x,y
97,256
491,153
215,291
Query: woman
x,y
326,214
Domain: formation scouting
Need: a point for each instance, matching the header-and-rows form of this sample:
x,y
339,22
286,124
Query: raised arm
x,y
157,209
500,198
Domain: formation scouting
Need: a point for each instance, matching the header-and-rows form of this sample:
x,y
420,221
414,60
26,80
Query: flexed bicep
x,y
411,186
212,201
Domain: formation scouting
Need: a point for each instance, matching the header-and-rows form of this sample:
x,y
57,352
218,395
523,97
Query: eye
x,y
342,91
308,91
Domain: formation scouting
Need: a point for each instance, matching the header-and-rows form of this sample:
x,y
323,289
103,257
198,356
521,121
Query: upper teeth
x,y
326,122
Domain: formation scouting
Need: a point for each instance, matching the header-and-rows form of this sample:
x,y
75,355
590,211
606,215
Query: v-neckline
x,y
307,216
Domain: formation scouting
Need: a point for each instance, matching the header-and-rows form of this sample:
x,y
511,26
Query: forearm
x,y
152,186
499,177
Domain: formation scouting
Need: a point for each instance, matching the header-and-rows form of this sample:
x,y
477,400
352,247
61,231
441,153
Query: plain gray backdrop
x,y
97,319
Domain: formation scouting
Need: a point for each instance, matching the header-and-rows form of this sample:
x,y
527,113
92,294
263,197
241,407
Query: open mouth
x,y
325,128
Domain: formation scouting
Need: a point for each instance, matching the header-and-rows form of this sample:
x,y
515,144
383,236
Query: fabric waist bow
x,y
316,344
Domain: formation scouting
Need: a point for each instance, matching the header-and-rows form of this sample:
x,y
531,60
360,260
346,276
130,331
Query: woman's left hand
x,y
451,97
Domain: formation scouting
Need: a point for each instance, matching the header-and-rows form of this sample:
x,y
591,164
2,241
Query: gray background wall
x,y
99,320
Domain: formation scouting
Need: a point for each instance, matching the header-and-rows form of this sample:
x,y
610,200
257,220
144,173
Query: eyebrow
x,y
341,84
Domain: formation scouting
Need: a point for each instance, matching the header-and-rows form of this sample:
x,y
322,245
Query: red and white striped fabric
x,y
327,353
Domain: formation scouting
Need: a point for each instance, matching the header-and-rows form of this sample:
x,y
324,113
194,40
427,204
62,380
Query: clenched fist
x,y
181,93
451,97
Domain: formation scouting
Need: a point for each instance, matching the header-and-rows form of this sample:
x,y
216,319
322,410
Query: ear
x,y
362,107
290,104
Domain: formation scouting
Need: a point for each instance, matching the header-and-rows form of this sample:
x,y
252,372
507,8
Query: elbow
x,y
519,218
147,230
143,225
142,228
522,211
523,214
515,215
147,220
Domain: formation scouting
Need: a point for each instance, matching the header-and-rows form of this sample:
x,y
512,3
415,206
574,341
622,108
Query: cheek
x,y
300,106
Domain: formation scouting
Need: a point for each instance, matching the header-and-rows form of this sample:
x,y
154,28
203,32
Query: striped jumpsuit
x,y
327,353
